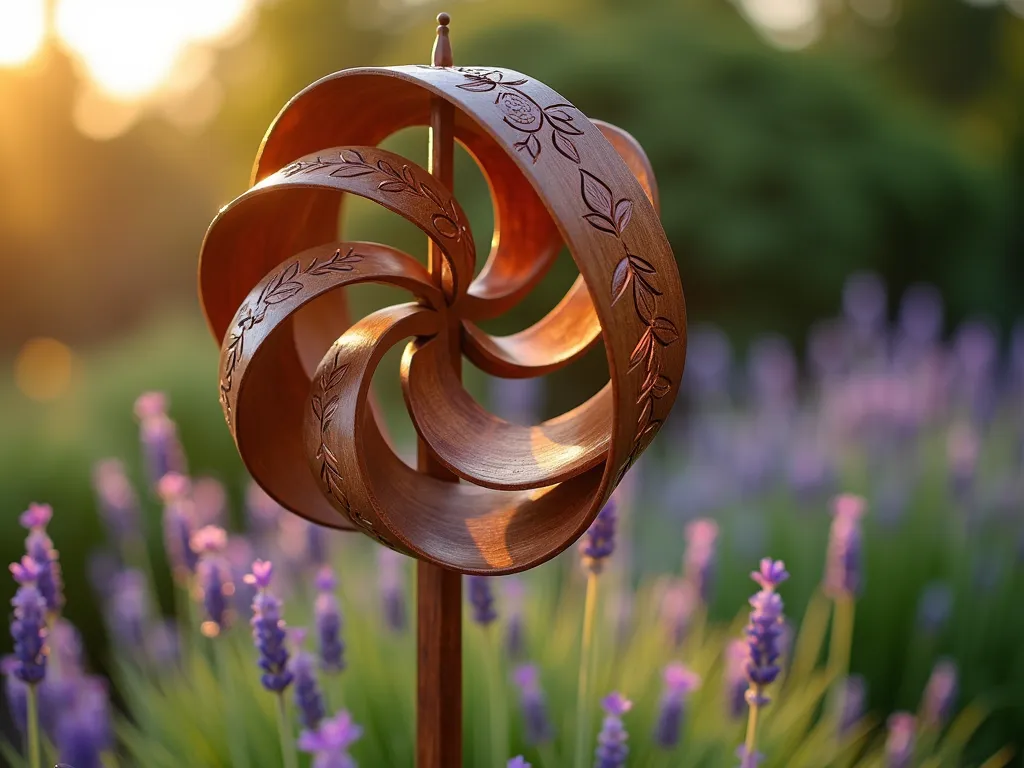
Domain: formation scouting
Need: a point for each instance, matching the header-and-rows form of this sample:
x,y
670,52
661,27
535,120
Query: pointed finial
x,y
442,54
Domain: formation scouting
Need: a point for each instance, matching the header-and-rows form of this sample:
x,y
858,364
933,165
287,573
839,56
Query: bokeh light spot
x,y
22,29
43,369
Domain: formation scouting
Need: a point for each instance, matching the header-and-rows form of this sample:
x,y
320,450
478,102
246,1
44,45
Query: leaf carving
x,y
596,194
347,171
661,387
478,84
640,351
623,213
352,156
665,331
621,278
643,300
561,121
642,264
387,168
601,222
445,226
318,408
565,146
392,186
431,195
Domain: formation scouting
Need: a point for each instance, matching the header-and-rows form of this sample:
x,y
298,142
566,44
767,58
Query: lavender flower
x,y
179,524
764,630
317,544
308,699
83,732
939,695
327,613
39,547
392,594
677,606
28,629
117,500
213,577
843,568
518,762
855,693
899,747
263,513
330,743
515,640
531,699
736,655
16,693
599,541
749,759
65,643
268,630
679,682
481,598
210,501
159,437
162,645
612,750
699,564
128,610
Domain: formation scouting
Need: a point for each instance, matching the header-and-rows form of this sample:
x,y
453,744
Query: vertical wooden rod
x,y
439,591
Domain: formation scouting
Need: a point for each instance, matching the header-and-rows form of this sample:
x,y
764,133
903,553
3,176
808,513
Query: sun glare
x,y
22,29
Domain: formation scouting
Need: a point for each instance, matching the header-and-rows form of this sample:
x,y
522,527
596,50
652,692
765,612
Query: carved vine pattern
x,y
325,403
607,214
282,286
351,164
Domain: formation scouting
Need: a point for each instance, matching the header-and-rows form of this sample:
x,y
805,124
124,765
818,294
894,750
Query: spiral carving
x,y
295,372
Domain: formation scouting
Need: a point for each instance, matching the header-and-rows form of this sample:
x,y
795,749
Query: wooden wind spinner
x,y
295,371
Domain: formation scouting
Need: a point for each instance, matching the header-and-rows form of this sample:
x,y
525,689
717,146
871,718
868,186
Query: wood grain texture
x,y
527,492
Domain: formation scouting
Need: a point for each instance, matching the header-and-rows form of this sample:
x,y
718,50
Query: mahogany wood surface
x,y
295,370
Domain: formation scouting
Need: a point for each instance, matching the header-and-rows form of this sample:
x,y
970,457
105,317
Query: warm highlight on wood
x,y
295,370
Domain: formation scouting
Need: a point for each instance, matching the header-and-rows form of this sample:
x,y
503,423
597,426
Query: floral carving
x,y
524,114
325,404
605,213
283,285
351,163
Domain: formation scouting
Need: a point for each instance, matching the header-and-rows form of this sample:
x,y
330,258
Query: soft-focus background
x,y
800,145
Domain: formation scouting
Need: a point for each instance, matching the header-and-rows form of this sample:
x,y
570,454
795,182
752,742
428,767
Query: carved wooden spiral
x,y
295,372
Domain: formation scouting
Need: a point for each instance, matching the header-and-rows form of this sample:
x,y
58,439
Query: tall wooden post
x,y
439,590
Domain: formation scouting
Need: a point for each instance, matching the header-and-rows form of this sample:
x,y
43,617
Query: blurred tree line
x,y
897,147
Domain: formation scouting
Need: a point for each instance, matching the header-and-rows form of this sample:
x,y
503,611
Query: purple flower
x,y
535,711
39,547
843,568
128,610
899,746
855,693
515,640
308,699
736,655
28,629
210,501
518,762
16,692
864,303
939,695
679,682
83,731
612,750
264,514
179,524
213,577
481,598
392,594
327,613
677,606
920,317
65,642
268,630
963,447
699,564
749,759
330,743
599,541
764,630
117,500
159,437
162,644
710,361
